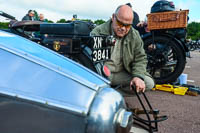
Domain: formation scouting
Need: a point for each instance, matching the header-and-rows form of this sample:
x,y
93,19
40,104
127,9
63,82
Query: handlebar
x,y
7,15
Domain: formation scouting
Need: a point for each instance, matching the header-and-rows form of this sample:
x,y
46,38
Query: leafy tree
x,y
61,21
86,20
99,21
197,35
193,30
4,25
50,21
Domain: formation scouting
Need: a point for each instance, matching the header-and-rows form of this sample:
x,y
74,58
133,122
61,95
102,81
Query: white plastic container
x,y
183,78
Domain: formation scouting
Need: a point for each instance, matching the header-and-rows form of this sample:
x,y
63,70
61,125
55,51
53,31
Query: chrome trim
x,y
123,117
46,101
103,115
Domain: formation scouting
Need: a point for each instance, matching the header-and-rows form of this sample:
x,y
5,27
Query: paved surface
x,y
183,111
137,130
193,68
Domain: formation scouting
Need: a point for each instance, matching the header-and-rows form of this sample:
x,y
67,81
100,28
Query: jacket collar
x,y
107,29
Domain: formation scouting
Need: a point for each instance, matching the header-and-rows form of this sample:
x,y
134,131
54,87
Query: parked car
x,y
42,91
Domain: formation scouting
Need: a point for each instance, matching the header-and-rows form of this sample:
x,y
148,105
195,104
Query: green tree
x,y
61,21
99,21
193,30
86,20
4,25
50,21
197,36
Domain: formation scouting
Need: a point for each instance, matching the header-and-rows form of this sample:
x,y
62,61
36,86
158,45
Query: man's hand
x,y
141,24
139,84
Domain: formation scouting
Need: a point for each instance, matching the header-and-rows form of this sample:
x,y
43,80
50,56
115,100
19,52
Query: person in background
x,y
74,17
137,24
128,61
136,19
41,18
29,16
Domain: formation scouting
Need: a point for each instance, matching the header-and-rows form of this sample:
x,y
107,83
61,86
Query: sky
x,y
88,9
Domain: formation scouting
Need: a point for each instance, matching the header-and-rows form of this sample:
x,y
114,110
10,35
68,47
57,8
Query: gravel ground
x,y
183,111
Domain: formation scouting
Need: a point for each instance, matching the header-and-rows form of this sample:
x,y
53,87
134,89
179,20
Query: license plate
x,y
100,52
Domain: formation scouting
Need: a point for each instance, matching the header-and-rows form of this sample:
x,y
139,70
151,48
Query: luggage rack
x,y
167,20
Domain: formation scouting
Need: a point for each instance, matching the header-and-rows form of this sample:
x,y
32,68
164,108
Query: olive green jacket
x,y
134,57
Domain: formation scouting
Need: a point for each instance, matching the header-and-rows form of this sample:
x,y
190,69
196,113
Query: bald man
x,y
128,60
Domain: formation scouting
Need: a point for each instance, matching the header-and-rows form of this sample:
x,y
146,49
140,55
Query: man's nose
x,y
123,28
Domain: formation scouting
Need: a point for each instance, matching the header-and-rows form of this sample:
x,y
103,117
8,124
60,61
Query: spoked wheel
x,y
166,59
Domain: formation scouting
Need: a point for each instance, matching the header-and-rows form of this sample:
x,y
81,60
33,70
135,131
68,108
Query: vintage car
x,y
42,91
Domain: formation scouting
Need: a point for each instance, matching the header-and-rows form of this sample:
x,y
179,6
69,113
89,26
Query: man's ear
x,y
113,16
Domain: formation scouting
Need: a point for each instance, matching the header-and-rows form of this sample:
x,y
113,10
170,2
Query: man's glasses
x,y
120,24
